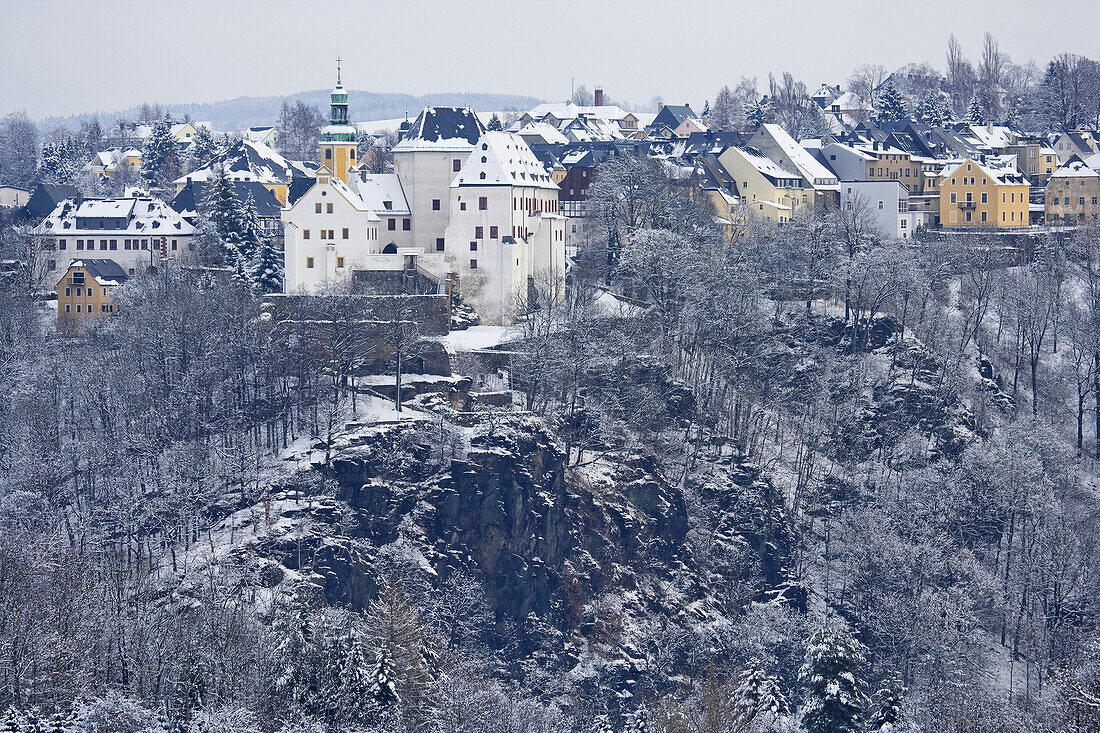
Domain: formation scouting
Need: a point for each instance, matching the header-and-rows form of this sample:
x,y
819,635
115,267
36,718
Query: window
x,y
493,230
345,232
61,244
473,246
880,205
105,308
339,262
983,216
104,292
324,234
317,208
1082,201
406,225
473,264
328,156
68,292
456,165
392,225
439,244
68,309
435,204
969,216
328,208
462,206
305,234
482,203
114,244
479,232
103,244
78,309
332,234
985,198
953,197
80,244
309,262
175,245
144,244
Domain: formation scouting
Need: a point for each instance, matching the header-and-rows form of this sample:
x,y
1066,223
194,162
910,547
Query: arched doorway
x,y
390,249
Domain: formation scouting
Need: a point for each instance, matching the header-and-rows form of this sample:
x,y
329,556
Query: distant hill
x,y
242,112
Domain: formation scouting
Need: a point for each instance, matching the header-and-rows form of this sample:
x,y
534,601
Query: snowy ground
x,y
478,337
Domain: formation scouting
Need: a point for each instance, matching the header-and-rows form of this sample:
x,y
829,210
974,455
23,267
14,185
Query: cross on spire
x,y
338,60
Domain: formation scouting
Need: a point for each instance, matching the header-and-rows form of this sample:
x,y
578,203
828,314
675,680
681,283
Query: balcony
x,y
968,204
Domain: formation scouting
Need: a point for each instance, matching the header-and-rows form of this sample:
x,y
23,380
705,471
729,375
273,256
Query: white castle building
x,y
473,206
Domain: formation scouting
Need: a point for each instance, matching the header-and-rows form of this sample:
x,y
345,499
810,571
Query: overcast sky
x,y
65,57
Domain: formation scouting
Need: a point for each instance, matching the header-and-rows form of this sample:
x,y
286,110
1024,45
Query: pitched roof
x,y
190,198
1076,168
140,215
247,160
442,128
807,165
1002,171
382,193
105,272
503,159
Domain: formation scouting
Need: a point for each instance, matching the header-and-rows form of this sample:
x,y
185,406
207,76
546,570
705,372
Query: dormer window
x,y
484,159
485,146
388,205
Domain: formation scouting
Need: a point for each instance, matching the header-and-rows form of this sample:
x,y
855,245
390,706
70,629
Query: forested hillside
x,y
809,476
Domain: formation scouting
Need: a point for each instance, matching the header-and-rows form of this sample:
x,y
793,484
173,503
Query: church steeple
x,y
338,139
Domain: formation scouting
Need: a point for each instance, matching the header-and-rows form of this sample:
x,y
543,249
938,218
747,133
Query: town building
x,y
12,197
107,163
85,290
765,189
133,232
1072,195
887,204
989,193
254,161
189,201
774,142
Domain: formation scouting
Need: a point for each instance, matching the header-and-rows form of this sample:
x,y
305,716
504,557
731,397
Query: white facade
x,y
426,172
134,232
505,230
888,204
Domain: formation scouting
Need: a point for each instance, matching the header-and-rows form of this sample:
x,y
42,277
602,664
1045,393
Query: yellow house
x,y
108,162
989,193
85,289
765,189
1035,159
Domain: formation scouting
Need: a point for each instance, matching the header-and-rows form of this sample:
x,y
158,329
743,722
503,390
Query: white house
x,y
133,232
505,231
888,204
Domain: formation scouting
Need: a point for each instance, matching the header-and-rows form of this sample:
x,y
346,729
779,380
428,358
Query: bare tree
x,y
865,81
961,78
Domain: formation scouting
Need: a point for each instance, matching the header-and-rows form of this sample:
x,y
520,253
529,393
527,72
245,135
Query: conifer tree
x,y
975,115
889,698
203,147
602,724
757,699
251,232
758,114
932,110
266,273
833,678
891,105
382,687
293,645
159,157
494,123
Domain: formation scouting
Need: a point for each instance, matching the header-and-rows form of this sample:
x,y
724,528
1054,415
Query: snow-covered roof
x,y
568,110
993,136
763,163
107,273
1001,169
379,189
807,165
143,216
442,129
249,160
542,132
503,158
1076,168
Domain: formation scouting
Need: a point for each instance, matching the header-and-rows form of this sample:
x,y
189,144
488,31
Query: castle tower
x,y
338,138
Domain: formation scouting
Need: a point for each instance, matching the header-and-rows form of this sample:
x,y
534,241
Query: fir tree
x,y
833,677
889,699
757,699
223,212
706,108
159,158
12,722
759,114
891,105
266,272
251,231
975,115
932,110
292,654
494,123
203,147
382,687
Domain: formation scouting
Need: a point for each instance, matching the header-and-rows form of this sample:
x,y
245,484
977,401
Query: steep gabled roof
x,y
442,128
250,161
191,196
503,159
105,272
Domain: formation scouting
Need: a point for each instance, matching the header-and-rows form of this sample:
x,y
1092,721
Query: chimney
x,y
599,96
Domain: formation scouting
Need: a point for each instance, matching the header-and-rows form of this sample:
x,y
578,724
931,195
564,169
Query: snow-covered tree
x,y
382,688
759,114
723,115
889,699
975,115
292,655
890,104
832,675
602,724
159,156
203,146
757,702
933,109
494,123
266,272
637,722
